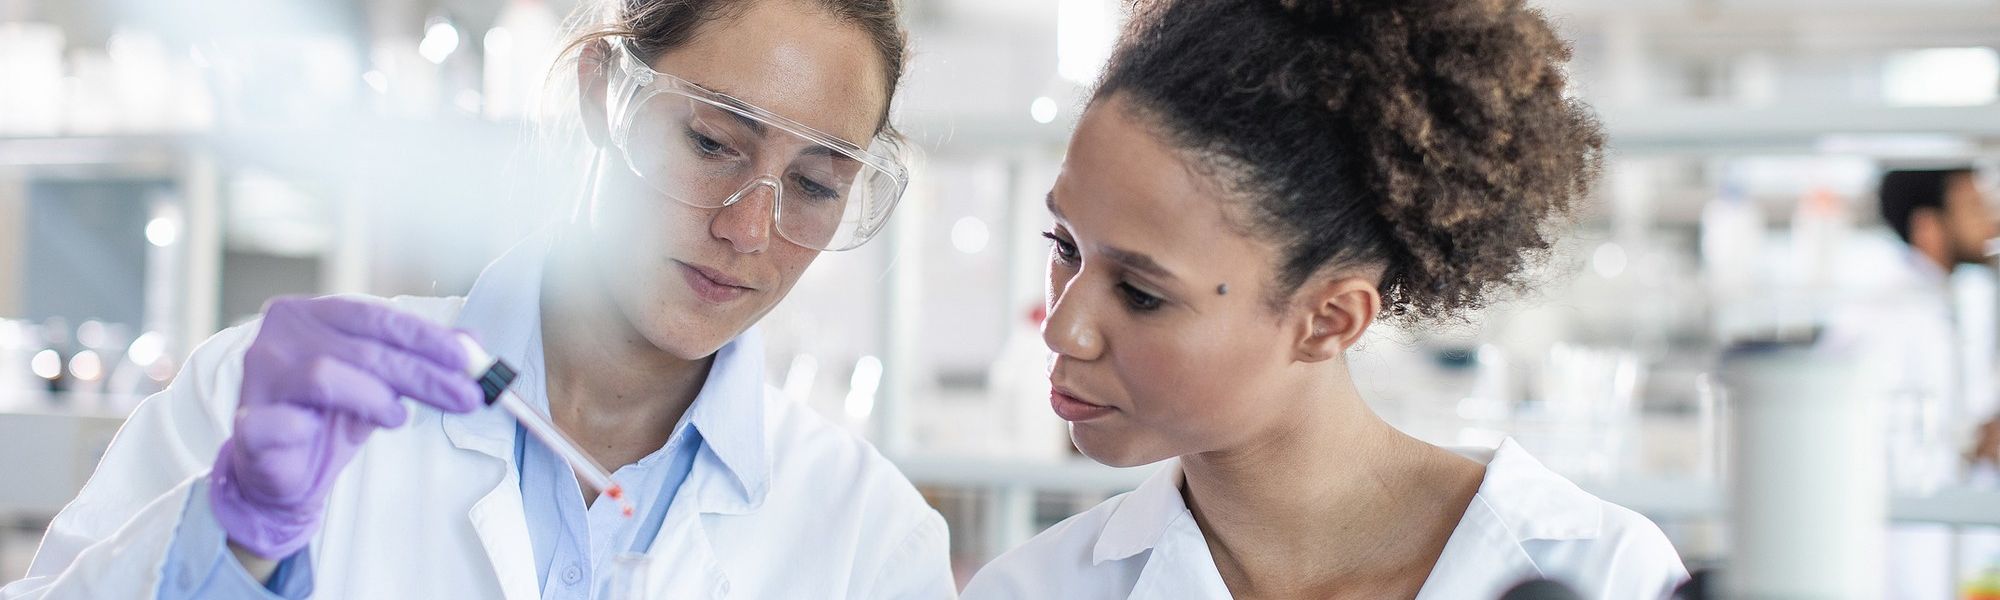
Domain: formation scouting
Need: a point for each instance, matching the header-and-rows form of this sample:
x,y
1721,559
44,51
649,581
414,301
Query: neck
x,y
608,386
1331,499
1939,257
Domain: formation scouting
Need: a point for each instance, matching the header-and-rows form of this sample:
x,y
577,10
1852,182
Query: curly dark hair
x,y
1429,138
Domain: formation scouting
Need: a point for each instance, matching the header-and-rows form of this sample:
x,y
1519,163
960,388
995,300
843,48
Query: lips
x,y
1073,409
711,285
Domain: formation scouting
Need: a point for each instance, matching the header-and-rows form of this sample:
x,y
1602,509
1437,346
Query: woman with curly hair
x,y
1255,183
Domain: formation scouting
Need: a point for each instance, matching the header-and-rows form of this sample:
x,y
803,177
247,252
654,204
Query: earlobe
x,y
1339,312
592,69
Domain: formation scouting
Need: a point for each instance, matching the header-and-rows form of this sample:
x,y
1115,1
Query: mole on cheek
x,y
1222,289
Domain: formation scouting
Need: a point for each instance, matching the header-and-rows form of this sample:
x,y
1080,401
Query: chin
x,y
686,336
1109,449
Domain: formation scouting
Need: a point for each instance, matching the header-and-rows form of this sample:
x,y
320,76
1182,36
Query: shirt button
x,y
571,575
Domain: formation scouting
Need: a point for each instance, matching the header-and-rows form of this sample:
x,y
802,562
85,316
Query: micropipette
x,y
494,375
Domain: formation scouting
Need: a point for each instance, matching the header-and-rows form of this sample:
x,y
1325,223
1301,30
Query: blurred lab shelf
x,y
1676,498
54,454
1697,128
1639,130
96,156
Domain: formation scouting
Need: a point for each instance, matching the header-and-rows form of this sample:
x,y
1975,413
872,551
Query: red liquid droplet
x,y
628,512
616,492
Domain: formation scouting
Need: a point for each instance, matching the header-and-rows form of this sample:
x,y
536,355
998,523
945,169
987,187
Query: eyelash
x,y
1064,250
708,147
1135,299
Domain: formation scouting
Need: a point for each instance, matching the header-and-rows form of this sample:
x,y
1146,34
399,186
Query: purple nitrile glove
x,y
322,374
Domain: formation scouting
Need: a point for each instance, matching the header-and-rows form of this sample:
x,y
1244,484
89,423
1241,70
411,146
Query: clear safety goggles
x,y
708,150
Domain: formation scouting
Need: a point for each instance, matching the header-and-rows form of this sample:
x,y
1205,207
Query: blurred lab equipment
x,y
1540,589
626,578
1808,488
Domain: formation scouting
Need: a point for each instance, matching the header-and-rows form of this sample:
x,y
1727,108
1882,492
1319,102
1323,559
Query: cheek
x,y
791,261
631,220
1192,383
1173,383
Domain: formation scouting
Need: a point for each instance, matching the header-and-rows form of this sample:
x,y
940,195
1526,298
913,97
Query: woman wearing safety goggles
x,y
731,141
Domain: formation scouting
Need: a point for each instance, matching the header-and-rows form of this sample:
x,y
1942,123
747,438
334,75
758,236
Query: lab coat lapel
x,y
498,517
683,558
1480,552
502,311
1180,567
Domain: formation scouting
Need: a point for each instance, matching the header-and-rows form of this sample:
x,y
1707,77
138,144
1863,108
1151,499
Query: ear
x,y
1927,232
1337,311
593,68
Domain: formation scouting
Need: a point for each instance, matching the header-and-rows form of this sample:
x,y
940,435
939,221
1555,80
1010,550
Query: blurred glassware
x,y
1920,457
1583,421
625,577
1712,427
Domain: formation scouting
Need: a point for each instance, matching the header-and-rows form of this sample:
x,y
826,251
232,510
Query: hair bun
x,y
1429,137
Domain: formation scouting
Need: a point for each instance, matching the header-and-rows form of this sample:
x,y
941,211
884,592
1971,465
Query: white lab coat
x,y
1525,522
1901,316
433,510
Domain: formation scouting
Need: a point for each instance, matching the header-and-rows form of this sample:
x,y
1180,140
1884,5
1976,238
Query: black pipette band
x,y
495,380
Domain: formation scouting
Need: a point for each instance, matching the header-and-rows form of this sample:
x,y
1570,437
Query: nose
x,y
1068,331
746,221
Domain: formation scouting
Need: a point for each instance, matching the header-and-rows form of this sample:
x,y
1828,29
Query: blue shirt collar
x,y
503,311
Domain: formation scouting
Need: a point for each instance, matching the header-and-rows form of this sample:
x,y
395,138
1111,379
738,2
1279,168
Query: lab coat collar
x,y
503,312
1143,517
1926,270
729,413
1532,501
1154,520
1518,500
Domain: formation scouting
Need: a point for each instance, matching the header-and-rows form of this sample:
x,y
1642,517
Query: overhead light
x,y
1942,77
162,231
969,235
86,365
147,348
46,364
1043,109
440,40
861,387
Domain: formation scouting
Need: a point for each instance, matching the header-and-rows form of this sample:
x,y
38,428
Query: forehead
x,y
1124,186
792,59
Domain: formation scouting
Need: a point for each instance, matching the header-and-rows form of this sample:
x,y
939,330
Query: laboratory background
x,y
166,168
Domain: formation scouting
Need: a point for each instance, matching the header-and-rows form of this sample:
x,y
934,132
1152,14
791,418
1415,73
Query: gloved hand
x,y
321,376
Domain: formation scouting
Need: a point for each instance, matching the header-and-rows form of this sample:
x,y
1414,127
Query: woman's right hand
x,y
322,374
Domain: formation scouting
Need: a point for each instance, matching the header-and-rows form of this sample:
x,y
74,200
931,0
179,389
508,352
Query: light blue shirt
x,y
503,311
199,565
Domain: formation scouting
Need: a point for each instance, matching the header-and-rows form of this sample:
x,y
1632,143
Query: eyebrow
x,y
757,126
1137,261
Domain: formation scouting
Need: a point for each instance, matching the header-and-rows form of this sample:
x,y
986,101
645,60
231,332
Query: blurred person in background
x,y
1944,222
732,141
1253,185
